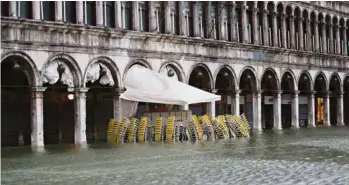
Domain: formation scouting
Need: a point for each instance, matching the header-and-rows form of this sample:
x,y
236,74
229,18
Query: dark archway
x,y
334,98
200,78
248,87
288,88
320,101
269,87
346,100
15,102
225,86
304,88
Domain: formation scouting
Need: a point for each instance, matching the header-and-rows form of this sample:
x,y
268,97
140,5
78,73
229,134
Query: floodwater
x,y
303,156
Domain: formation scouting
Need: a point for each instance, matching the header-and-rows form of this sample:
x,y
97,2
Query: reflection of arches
x,y
111,67
17,77
50,70
248,79
231,73
29,66
177,67
141,62
204,75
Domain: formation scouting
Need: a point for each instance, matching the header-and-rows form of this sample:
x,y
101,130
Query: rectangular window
x,y
202,19
160,17
191,20
109,14
5,8
25,9
176,19
127,15
48,10
143,10
69,9
90,13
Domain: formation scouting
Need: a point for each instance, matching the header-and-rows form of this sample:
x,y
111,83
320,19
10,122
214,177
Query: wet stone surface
x,y
304,156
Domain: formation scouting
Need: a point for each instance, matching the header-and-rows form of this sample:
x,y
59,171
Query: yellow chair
x,y
112,131
132,130
170,128
158,129
143,129
198,127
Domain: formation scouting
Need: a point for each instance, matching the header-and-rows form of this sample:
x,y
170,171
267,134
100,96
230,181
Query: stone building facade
x,y
284,64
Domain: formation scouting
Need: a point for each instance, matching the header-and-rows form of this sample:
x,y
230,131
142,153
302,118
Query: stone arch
x,y
228,67
31,71
294,80
113,70
278,86
208,71
73,76
141,62
177,67
309,77
320,73
335,74
253,71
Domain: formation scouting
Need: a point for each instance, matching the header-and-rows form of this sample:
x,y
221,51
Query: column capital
x,y
37,92
283,16
265,11
38,89
296,92
237,92
291,17
300,18
255,10
81,89
258,91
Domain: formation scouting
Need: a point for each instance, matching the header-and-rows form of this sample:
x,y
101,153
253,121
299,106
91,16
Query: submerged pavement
x,y
302,156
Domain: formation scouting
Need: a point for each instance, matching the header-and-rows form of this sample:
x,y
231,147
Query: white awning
x,y
145,85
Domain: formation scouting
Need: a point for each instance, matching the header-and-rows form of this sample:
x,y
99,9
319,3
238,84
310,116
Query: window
x,y
25,9
190,22
69,8
143,16
5,8
90,12
48,10
176,19
160,17
109,13
202,19
127,15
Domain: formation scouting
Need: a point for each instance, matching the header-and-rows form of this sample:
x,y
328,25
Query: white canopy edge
x,y
145,85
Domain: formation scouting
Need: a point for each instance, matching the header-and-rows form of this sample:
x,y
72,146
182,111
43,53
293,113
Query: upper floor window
x,y
143,16
25,9
160,16
90,12
126,13
202,19
5,8
109,13
69,12
48,10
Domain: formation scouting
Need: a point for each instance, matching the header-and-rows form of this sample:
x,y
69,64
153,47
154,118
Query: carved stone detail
x,y
99,71
170,72
57,70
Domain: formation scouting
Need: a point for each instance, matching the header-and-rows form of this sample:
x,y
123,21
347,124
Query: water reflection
x,y
303,156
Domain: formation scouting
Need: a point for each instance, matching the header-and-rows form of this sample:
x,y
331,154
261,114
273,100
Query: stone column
x,y
324,41
277,111
135,13
235,103
167,17
244,33
196,19
80,115
37,110
292,35
340,113
345,47
118,13
233,22
275,30
255,26
295,110
152,17
311,110
13,9
316,39
99,13
212,109
331,48
338,40
309,39
59,11
327,121
118,114
300,34
283,31
257,110
36,10
185,107
80,12
265,28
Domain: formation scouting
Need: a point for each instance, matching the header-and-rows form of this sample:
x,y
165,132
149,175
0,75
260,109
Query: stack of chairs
x,y
142,134
170,129
220,128
191,127
132,130
112,131
122,128
159,129
198,127
208,127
